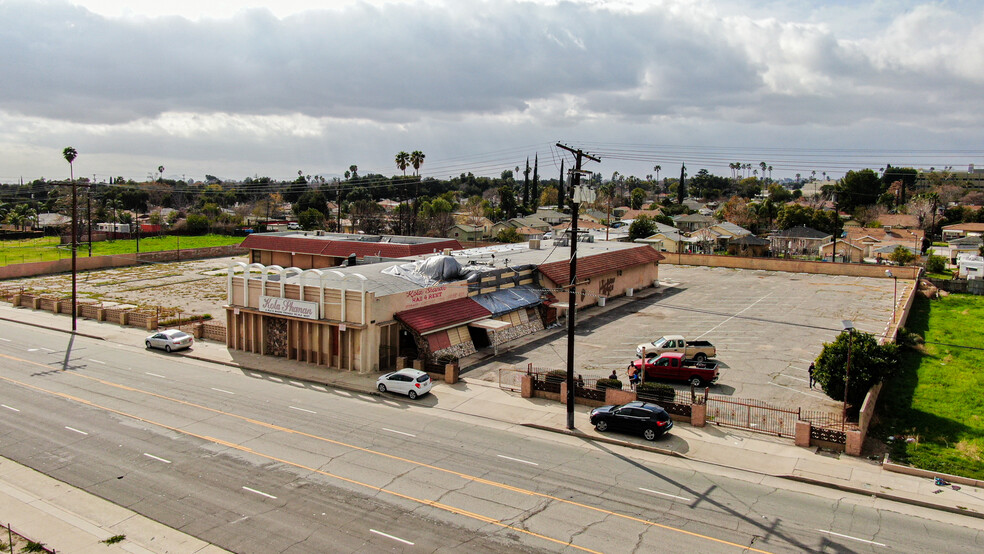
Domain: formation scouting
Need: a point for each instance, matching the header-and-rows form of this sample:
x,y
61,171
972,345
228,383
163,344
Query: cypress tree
x,y
682,187
526,184
536,181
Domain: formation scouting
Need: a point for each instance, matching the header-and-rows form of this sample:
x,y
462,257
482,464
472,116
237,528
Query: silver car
x,y
171,339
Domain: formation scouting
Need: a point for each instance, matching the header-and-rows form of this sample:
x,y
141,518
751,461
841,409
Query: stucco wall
x,y
608,284
791,266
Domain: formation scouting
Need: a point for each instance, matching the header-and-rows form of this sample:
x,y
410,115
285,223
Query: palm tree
x,y
402,161
160,169
770,172
416,160
657,169
763,165
70,155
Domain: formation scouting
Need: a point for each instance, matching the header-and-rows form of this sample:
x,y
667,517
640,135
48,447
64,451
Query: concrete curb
x,y
797,478
50,328
332,384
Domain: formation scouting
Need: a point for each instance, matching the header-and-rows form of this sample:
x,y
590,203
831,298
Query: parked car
x,y
699,350
171,339
411,382
635,417
672,366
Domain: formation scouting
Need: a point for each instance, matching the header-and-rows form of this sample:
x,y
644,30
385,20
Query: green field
x,y
938,400
48,248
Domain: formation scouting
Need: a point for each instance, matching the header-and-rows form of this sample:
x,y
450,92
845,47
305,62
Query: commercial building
x,y
436,307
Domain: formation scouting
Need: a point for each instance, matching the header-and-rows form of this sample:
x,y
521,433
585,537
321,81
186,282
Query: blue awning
x,y
508,300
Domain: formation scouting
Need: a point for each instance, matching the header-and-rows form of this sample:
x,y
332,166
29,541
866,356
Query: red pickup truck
x,y
673,366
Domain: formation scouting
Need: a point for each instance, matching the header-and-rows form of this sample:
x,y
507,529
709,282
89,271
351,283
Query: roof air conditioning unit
x,y
447,252
534,244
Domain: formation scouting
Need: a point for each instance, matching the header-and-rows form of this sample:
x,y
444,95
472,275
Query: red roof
x,y
342,248
441,316
599,264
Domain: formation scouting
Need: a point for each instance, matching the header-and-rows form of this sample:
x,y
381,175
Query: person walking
x,y
810,371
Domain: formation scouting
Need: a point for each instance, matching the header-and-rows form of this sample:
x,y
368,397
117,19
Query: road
x,y
264,464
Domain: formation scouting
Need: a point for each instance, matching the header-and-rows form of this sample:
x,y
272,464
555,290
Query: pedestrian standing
x,y
812,379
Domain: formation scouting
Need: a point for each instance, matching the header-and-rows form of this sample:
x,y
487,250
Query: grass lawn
x,y
939,397
48,248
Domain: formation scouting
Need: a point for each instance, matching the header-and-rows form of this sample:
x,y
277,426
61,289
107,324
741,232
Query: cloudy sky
x,y
238,89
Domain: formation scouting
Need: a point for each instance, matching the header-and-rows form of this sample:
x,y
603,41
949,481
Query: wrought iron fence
x,y
752,415
678,403
828,426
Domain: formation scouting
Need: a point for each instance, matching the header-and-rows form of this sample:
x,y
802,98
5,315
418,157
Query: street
x,y
268,464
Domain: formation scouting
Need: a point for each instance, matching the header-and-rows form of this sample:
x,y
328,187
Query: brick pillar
x,y
401,362
418,364
803,433
56,307
526,386
36,303
563,393
152,323
124,318
698,414
100,314
16,300
854,443
451,373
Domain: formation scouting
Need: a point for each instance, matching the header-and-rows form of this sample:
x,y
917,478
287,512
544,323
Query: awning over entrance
x,y
490,324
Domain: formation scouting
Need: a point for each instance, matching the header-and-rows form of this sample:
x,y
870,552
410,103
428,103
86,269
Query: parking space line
x,y
794,390
9,408
156,458
734,316
222,390
76,430
155,375
301,410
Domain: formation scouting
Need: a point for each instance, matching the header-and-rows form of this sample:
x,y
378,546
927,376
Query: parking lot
x,y
767,326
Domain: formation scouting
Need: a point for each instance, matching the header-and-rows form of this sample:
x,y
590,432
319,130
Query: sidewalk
x,y
751,452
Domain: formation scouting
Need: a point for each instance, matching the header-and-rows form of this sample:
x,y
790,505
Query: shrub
x,y
609,384
870,363
556,376
936,264
660,391
196,224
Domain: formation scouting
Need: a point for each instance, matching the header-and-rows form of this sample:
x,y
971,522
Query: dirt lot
x,y
195,287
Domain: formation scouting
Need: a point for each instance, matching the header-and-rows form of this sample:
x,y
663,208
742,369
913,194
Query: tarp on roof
x,y
508,300
433,270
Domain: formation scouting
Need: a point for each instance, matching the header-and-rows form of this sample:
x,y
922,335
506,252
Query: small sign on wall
x,y
289,307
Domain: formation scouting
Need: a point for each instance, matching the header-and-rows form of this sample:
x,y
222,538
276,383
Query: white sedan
x,y
411,382
171,339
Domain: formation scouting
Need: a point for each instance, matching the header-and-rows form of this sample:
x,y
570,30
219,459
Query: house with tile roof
x,y
871,239
798,241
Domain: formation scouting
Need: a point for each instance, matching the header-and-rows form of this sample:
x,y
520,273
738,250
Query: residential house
x,y
748,245
799,241
517,222
553,217
471,220
870,239
463,232
847,251
958,230
964,246
692,222
388,205
591,214
899,221
970,267
633,214
665,239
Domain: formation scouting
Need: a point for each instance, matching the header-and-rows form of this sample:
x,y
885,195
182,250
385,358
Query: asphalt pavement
x,y
39,504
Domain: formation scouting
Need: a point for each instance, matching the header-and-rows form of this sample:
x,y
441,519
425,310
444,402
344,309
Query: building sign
x,y
289,307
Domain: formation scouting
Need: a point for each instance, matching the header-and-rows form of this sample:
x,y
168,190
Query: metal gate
x,y
752,415
511,379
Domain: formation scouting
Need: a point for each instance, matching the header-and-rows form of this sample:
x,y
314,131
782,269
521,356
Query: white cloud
x,y
252,84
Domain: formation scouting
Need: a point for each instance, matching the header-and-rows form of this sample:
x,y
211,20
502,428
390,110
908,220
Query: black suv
x,y
635,417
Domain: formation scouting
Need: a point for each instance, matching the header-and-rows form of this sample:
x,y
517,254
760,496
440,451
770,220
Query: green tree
x,y
508,235
935,264
507,202
870,363
313,199
417,160
642,227
638,197
311,219
901,255
196,224
859,188
402,161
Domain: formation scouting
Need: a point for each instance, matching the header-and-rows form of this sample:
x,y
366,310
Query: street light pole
x,y
849,327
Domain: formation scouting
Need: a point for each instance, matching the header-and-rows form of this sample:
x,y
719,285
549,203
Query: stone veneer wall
x,y
516,331
457,351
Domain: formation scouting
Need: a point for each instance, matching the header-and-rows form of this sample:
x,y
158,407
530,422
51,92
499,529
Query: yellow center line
x,y
464,476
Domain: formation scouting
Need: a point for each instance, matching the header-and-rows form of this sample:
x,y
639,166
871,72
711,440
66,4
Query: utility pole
x,y
88,212
572,291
